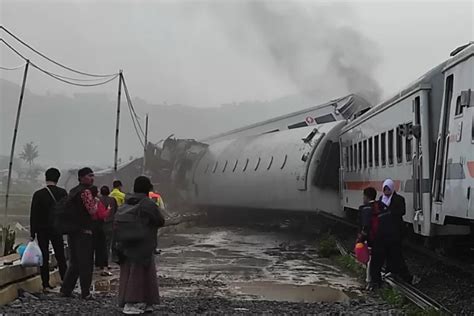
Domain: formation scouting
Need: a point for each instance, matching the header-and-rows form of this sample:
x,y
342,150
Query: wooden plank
x,y
15,272
8,260
31,285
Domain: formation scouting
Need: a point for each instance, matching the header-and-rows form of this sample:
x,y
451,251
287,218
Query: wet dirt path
x,y
222,269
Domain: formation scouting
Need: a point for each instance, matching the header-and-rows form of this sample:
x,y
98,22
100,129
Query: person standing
x,y
103,248
117,193
42,224
81,263
396,205
138,290
377,231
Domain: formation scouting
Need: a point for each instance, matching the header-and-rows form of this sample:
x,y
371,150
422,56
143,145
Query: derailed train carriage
x,y
423,138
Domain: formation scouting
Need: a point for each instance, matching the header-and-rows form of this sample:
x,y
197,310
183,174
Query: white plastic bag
x,y
32,257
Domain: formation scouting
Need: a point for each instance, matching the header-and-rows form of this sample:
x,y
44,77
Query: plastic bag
x,y
32,256
362,252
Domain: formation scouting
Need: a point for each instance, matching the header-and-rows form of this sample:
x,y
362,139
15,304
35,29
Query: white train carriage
x,y
335,110
423,139
295,170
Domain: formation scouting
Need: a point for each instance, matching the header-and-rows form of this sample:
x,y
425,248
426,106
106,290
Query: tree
x,y
29,153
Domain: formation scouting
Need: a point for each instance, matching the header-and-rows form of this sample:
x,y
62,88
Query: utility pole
x,y
117,122
15,133
146,144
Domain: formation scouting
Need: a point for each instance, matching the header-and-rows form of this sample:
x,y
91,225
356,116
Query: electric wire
x,y
52,60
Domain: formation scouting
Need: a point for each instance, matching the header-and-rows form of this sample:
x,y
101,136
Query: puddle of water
x,y
289,292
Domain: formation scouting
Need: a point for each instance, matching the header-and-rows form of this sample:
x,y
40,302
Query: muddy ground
x,y
244,267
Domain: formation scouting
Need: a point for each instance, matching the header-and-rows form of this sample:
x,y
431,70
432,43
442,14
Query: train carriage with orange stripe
x,y
423,139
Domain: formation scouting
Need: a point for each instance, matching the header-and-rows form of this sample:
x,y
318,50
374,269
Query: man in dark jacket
x,y
396,205
81,264
42,224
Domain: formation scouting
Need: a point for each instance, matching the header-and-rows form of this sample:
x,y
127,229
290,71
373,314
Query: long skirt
x,y
138,284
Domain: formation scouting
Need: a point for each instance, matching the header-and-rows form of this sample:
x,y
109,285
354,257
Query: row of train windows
x,y
226,165
379,150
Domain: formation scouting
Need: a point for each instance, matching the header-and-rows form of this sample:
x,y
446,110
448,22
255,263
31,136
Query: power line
x,y
53,61
12,68
132,116
129,100
57,77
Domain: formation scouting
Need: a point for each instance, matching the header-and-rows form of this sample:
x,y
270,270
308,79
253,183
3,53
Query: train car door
x,y
455,183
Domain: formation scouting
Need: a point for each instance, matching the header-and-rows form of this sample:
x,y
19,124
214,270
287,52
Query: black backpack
x,y
128,225
66,215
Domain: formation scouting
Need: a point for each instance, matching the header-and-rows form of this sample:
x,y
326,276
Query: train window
x,y
409,146
270,164
383,149
235,165
459,107
246,164
258,164
215,167
376,150
390,147
365,153
284,162
272,131
351,155
399,146
371,150
225,166
354,161
324,119
360,155
297,125
346,158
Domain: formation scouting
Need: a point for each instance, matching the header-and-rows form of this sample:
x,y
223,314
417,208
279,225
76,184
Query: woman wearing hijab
x,y
396,205
138,290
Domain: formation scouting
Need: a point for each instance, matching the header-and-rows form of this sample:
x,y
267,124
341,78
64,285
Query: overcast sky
x,y
206,53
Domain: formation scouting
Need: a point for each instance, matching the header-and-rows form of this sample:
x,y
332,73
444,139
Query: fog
x,y
251,54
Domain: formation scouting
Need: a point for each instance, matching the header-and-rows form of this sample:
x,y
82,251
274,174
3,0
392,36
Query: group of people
x,y
382,228
92,239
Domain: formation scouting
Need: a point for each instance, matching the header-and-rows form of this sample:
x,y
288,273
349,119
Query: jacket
x,y
142,252
397,209
118,196
42,204
83,214
376,223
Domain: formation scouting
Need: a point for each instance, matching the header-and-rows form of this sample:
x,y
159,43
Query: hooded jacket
x,y
142,252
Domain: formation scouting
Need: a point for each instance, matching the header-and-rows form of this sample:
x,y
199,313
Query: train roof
x,y
457,56
343,104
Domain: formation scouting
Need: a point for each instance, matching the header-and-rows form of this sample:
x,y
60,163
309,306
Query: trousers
x,y
44,238
81,264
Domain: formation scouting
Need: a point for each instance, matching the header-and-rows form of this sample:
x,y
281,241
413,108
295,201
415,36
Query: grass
x,y
348,263
327,246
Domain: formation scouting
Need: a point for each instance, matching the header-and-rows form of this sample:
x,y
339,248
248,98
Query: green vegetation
x,y
347,262
328,246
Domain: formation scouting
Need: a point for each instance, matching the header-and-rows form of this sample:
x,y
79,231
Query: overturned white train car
x,y
295,169
423,138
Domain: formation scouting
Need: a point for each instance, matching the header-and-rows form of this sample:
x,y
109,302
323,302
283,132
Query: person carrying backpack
x,y
80,209
42,224
135,235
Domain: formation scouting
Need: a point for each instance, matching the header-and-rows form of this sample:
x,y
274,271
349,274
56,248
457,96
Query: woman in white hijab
x,y
388,191
396,205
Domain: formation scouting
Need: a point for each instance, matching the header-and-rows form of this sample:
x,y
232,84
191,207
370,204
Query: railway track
x,y
413,294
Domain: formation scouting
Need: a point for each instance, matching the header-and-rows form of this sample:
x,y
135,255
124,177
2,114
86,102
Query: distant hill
x,y
78,130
